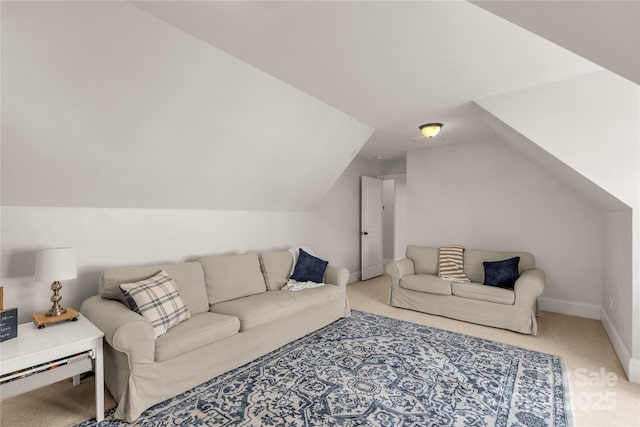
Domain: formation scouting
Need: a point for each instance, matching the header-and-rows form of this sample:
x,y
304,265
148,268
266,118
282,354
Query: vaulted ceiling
x,y
605,32
262,105
392,65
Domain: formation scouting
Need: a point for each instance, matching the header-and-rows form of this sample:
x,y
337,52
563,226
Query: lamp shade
x,y
55,264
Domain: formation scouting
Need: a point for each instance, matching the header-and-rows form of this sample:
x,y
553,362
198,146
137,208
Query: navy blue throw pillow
x,y
502,274
309,268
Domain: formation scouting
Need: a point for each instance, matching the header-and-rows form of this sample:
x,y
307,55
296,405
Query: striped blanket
x,y
450,265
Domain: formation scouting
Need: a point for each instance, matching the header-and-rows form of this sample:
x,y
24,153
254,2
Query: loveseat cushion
x,y
188,277
260,309
483,293
200,330
425,260
473,259
229,277
277,267
426,283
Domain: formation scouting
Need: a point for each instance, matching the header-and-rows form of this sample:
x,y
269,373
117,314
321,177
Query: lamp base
x,y
44,319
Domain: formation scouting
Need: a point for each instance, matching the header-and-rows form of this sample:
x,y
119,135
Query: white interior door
x,y
371,264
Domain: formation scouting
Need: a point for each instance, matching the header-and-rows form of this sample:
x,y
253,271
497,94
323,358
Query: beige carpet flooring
x,y
601,395
598,399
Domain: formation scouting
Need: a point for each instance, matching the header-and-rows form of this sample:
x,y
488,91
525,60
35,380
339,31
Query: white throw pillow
x,y
157,300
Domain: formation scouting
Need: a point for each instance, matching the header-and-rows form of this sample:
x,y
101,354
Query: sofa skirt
x,y
514,317
138,386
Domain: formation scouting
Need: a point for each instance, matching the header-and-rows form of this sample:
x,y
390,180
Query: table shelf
x,y
31,379
39,357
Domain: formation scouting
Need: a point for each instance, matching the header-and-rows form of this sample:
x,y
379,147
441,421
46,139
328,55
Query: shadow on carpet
x,y
371,370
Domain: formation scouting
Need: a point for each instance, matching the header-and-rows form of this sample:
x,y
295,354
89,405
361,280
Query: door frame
x,y
377,269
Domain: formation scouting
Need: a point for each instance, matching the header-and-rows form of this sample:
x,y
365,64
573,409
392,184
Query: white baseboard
x,y
353,277
631,366
634,371
572,308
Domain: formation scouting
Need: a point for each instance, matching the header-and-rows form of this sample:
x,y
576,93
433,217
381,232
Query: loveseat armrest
x,y
529,286
124,329
336,275
400,268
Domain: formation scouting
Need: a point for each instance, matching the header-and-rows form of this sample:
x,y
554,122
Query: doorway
x,y
382,222
394,197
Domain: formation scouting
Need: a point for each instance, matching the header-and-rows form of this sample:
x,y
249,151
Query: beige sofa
x,y
238,313
415,285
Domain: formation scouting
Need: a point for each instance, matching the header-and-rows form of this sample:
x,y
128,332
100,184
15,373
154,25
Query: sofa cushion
x,y
276,267
483,293
157,299
188,277
309,268
200,330
426,283
260,309
473,259
502,274
232,276
425,260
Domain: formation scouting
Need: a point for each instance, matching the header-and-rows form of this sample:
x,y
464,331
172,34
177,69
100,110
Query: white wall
x,y
617,297
485,194
400,231
121,109
394,166
138,114
388,218
114,237
583,121
592,124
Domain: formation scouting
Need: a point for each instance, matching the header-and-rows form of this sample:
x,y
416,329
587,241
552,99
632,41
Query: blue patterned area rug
x,y
371,370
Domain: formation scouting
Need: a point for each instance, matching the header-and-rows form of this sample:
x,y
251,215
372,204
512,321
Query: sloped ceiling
x,y
243,105
392,65
104,105
570,177
591,123
605,32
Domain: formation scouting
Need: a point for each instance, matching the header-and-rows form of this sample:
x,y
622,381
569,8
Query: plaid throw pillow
x,y
158,300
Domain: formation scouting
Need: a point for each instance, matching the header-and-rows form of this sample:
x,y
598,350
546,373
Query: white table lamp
x,y
54,265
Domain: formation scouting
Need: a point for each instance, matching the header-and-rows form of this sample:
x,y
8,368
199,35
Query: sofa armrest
x,y
336,275
400,268
124,329
529,286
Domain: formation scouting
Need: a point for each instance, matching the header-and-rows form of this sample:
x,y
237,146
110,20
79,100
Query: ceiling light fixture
x,y
431,129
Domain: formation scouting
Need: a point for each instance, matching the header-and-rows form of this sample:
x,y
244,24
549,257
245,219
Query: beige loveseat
x,y
238,313
415,285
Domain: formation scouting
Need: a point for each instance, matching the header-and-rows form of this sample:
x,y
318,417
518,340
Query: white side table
x,y
39,357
